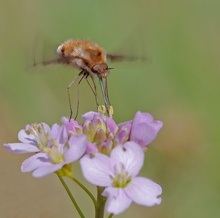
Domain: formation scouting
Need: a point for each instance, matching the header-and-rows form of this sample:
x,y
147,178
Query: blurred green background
x,y
178,84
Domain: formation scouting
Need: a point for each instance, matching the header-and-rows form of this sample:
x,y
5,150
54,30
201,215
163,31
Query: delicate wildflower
x,y
33,138
111,155
63,151
118,174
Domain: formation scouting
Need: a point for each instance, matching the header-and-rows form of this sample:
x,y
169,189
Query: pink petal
x,y
143,117
130,155
59,133
71,125
21,148
90,116
117,200
97,169
143,191
35,161
45,170
144,129
54,131
91,148
26,138
125,123
76,149
111,125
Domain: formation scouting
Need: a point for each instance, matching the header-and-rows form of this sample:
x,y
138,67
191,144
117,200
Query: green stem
x,y
101,200
71,196
86,190
111,215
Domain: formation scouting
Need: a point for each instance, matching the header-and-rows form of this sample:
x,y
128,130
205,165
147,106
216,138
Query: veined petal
x,y
144,191
77,148
21,148
59,133
117,200
130,155
35,161
62,136
26,138
54,131
45,170
97,169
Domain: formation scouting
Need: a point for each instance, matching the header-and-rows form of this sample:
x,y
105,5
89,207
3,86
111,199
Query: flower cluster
x,y
111,156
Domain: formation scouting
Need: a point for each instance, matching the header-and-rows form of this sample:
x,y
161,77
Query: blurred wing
x,y
114,58
58,60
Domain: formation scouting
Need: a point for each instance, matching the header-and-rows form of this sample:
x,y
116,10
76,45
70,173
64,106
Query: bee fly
x,y
91,60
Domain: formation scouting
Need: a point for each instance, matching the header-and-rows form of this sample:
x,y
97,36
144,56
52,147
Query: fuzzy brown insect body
x,y
84,55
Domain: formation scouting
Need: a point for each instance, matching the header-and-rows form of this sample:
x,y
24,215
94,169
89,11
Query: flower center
x,y
121,178
56,153
56,157
40,134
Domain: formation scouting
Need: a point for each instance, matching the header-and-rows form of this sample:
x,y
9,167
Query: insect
x,y
91,60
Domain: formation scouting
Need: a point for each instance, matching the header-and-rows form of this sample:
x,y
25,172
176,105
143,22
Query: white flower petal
x,y
97,170
117,200
34,162
21,148
45,170
143,191
130,155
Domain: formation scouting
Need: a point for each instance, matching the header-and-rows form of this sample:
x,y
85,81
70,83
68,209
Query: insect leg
x,y
77,107
68,92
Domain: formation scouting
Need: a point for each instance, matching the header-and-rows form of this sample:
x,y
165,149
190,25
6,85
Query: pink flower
x,y
33,138
144,129
62,151
118,174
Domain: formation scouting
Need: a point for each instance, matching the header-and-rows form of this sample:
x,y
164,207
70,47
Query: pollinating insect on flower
x,y
110,155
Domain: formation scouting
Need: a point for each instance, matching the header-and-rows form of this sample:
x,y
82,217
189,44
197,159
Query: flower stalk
x,y
86,190
101,200
71,197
